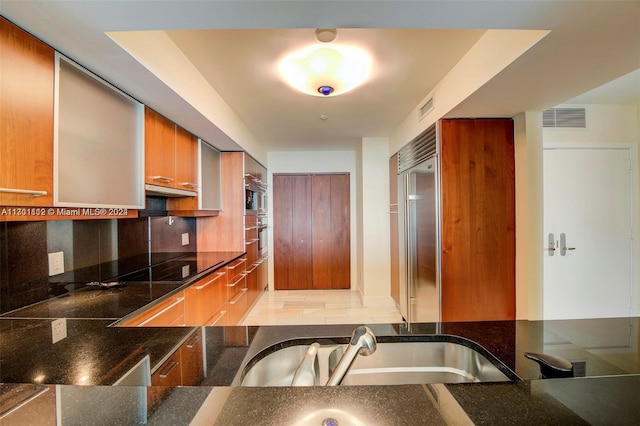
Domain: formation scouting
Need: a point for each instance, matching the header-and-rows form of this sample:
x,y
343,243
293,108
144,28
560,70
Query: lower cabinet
x,y
185,367
204,298
169,312
221,298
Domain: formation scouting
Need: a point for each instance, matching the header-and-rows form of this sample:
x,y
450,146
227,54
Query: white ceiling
x,y
234,45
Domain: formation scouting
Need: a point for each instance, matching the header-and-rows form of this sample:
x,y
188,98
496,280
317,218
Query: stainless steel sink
x,y
424,359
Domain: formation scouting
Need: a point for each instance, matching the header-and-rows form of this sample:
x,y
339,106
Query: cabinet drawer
x,y
204,297
220,318
235,269
237,306
169,312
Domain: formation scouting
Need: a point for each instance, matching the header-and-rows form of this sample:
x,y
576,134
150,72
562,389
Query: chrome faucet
x,y
363,342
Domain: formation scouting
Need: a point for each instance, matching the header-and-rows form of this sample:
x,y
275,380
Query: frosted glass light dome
x,y
339,67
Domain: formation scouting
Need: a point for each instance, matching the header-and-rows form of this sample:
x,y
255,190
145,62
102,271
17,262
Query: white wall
x,y
529,215
375,247
315,162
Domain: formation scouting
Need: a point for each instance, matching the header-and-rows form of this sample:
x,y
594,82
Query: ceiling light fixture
x,y
326,70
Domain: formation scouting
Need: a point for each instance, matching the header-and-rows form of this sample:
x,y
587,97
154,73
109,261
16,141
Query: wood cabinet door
x,y
186,160
311,231
191,357
292,232
478,220
331,231
159,144
26,121
203,298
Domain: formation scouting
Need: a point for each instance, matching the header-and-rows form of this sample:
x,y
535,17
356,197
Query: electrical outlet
x,y
56,263
185,271
185,239
58,330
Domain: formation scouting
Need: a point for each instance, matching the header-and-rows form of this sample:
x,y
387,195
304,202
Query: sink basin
x,y
398,360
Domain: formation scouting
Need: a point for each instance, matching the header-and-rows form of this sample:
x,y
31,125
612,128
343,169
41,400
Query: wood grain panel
x,y
186,159
302,255
340,232
322,231
478,220
26,118
159,146
226,231
293,257
282,230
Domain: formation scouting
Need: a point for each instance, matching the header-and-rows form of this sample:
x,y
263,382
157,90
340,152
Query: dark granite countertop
x,y
91,354
138,290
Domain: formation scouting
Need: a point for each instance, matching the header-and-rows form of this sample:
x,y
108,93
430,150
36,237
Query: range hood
x,y
168,192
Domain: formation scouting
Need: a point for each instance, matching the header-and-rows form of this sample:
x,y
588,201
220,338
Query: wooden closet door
x,y
331,227
292,232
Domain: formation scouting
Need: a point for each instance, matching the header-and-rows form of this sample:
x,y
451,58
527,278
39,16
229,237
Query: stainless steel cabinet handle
x,y
242,275
190,185
194,340
151,318
33,192
173,365
214,279
238,297
218,318
163,178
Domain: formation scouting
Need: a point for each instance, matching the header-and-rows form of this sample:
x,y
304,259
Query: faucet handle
x,y
551,367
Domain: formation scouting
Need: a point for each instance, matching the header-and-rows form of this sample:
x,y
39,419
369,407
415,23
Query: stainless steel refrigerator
x,y
418,215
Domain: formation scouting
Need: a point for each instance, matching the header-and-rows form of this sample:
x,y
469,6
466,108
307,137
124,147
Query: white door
x,y
587,208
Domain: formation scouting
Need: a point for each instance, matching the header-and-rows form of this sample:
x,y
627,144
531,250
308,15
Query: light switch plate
x,y
185,271
185,239
58,329
56,263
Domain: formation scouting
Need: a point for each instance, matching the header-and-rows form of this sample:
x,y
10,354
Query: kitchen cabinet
x,y
171,159
478,219
26,122
183,367
191,356
204,298
311,231
98,145
209,199
237,283
169,312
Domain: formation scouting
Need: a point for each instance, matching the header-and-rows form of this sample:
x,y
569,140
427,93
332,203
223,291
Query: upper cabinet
x,y
171,158
98,142
26,118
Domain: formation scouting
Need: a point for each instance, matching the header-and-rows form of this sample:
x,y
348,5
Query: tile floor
x,y
295,307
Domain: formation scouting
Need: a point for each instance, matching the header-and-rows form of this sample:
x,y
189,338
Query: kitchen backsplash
x,y
94,250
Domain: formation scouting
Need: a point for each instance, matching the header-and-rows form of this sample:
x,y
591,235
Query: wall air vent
x,y
567,118
426,108
418,150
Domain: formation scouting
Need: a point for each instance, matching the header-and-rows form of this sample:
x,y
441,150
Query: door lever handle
x,y
563,245
551,244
